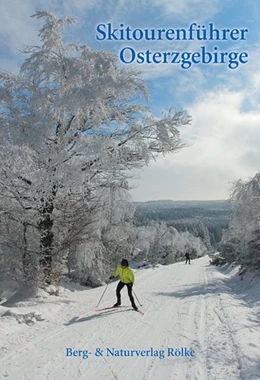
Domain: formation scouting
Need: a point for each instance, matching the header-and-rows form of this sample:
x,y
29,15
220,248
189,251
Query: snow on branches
x,y
76,120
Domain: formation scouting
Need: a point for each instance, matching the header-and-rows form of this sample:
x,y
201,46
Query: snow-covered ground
x,y
200,322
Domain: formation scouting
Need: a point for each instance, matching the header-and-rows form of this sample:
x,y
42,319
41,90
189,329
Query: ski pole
x,y
102,295
137,298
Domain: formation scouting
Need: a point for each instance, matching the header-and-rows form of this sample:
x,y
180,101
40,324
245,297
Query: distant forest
x,y
204,219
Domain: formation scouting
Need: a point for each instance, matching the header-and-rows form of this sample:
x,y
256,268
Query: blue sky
x,y
224,137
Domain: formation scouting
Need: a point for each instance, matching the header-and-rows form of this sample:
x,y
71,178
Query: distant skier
x,y
187,255
126,278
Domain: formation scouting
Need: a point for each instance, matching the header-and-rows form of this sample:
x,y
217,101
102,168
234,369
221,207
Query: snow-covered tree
x,y
158,243
241,241
113,238
76,121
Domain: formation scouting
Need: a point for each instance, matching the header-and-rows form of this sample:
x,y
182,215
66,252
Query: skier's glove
x,y
130,284
111,277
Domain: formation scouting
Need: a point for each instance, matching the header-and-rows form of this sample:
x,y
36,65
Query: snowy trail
x,y
190,306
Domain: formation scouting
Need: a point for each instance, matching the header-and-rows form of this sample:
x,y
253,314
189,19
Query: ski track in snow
x,y
192,306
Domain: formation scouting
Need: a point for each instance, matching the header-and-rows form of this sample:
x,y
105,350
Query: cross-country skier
x,y
126,278
187,255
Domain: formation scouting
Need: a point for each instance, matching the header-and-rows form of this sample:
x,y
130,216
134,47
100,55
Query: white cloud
x,y
183,11
225,147
16,25
199,10
17,28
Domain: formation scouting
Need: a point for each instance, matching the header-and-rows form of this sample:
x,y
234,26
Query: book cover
x,y
125,127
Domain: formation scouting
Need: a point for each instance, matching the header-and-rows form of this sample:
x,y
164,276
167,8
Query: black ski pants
x,y
129,289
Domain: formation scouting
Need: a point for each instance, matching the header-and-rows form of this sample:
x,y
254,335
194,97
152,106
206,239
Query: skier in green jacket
x,y
126,278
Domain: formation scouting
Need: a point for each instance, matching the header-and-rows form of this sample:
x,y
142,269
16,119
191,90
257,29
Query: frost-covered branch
x,y
73,123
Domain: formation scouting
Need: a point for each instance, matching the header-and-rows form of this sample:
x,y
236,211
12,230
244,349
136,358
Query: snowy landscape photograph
x,y
130,190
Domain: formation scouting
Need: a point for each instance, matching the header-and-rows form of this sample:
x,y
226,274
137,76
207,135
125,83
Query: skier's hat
x,y
124,263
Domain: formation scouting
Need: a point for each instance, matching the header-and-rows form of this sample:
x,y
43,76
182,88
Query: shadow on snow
x,y
96,315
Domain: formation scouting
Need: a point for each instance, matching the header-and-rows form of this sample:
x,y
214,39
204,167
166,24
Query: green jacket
x,y
126,274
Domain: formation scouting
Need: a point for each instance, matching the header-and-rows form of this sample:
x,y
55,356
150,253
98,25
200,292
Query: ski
x,y
139,311
110,307
119,307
